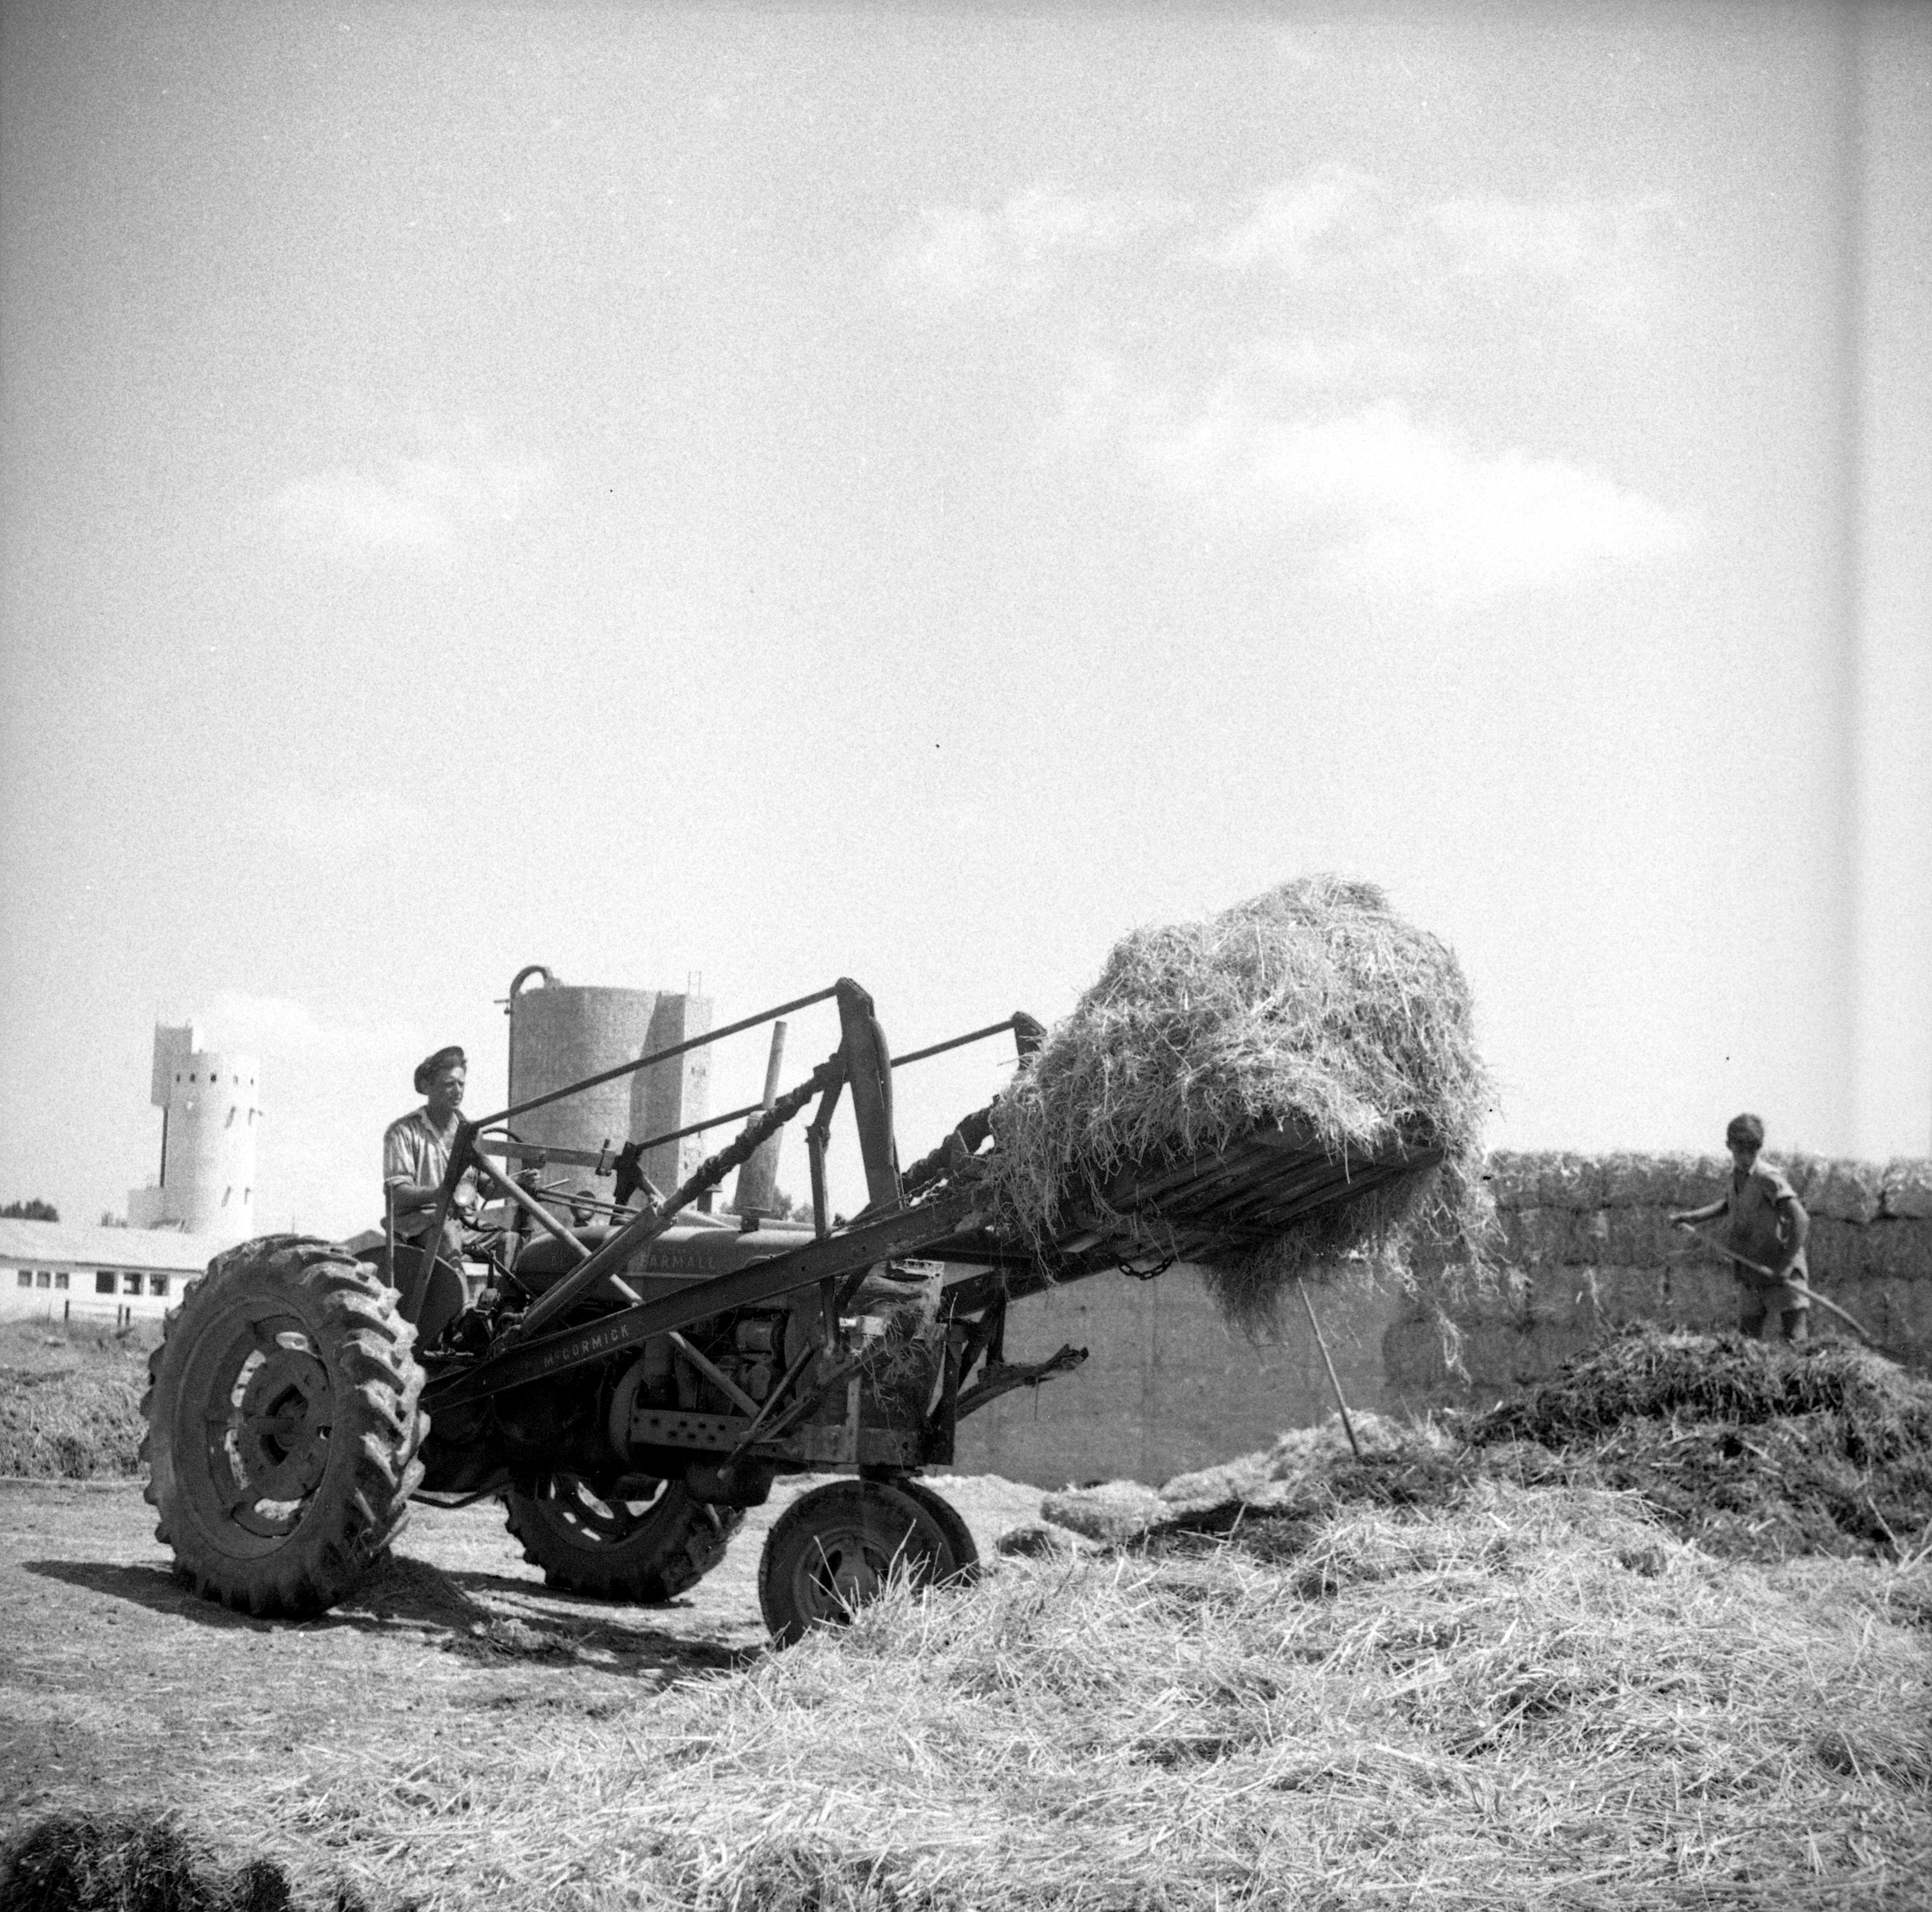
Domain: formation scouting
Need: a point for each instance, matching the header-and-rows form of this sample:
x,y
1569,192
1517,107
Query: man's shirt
x,y
412,1151
1754,1227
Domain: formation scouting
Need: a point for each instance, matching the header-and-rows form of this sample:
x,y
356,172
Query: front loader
x,y
628,1387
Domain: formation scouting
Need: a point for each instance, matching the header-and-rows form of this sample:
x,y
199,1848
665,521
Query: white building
x,y
57,1270
209,1123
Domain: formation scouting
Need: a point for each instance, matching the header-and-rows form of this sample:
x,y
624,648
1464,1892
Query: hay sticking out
x,y
1313,1007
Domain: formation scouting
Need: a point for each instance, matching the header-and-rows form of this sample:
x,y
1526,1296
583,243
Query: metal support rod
x,y
714,1374
906,1232
660,1055
651,1223
959,1042
544,1219
771,1402
1320,1341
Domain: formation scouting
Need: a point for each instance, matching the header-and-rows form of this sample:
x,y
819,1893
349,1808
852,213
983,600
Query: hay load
x,y
1313,1020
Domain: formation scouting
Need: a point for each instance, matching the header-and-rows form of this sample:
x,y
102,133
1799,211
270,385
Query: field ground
x,y
1533,1700
1431,1679
120,1690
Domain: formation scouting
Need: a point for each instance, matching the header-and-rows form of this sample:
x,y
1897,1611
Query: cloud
x,y
1339,224
1599,250
1366,493
1375,495
961,253
423,503
1333,210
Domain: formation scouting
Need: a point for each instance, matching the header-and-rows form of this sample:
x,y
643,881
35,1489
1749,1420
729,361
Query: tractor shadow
x,y
409,1600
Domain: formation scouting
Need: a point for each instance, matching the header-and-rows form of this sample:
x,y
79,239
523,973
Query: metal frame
x,y
1145,1217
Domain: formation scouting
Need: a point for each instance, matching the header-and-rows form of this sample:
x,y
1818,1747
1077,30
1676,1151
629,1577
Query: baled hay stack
x,y
1315,1007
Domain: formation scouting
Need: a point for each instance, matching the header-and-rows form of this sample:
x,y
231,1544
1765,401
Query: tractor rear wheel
x,y
283,1426
645,1551
838,1547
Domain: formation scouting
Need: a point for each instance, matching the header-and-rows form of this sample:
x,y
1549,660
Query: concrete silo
x,y
560,1033
210,1121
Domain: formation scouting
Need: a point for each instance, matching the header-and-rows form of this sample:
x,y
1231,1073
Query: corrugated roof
x,y
74,1245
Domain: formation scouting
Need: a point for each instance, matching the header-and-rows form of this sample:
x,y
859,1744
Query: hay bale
x,y
1840,1190
1314,1008
1611,1291
1906,1188
1656,1181
1032,1541
1113,1512
1542,1237
1641,1238
1514,1178
1571,1181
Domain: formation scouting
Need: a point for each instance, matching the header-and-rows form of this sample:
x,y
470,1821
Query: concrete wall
x,y
1169,1386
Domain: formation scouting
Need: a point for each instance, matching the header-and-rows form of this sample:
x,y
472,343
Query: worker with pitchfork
x,y
1767,1225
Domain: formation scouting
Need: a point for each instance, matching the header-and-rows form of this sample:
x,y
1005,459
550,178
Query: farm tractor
x,y
628,1386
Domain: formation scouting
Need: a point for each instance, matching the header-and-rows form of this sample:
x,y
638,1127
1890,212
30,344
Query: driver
x,y
416,1154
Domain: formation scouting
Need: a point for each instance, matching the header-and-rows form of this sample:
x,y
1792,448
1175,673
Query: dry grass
x,y
77,1863
1537,1701
1754,1450
71,1399
1314,1006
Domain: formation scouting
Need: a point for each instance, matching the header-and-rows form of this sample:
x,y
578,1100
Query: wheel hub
x,y
282,1431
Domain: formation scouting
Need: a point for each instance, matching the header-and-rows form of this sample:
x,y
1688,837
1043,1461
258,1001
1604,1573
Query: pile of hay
x,y
73,1862
1754,1450
70,1401
1314,1007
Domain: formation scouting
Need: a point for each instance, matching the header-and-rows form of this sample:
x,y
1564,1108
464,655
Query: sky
x,y
735,497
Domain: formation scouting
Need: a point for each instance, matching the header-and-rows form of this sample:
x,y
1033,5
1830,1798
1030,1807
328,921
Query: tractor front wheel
x,y
839,1546
283,1426
644,1551
952,1524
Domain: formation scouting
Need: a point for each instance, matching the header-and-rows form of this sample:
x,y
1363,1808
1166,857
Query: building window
x,y
130,1284
60,1277
157,1284
103,1282
45,1279
26,1277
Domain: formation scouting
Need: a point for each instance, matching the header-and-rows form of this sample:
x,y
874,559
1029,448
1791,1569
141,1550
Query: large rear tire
x,y
644,1551
837,1548
283,1426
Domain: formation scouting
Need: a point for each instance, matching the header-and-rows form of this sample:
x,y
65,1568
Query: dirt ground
x,y
121,1690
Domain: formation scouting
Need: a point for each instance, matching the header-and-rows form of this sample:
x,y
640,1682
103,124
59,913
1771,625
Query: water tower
x,y
209,1123
560,1033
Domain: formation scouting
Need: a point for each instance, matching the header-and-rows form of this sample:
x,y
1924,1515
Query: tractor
x,y
627,1385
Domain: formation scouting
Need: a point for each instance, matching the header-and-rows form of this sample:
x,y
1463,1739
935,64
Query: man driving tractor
x,y
415,1156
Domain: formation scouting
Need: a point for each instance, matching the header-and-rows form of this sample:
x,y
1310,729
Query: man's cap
x,y
1747,1128
431,1066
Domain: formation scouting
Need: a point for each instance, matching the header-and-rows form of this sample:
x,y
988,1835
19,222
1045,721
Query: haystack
x,y
1313,1009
